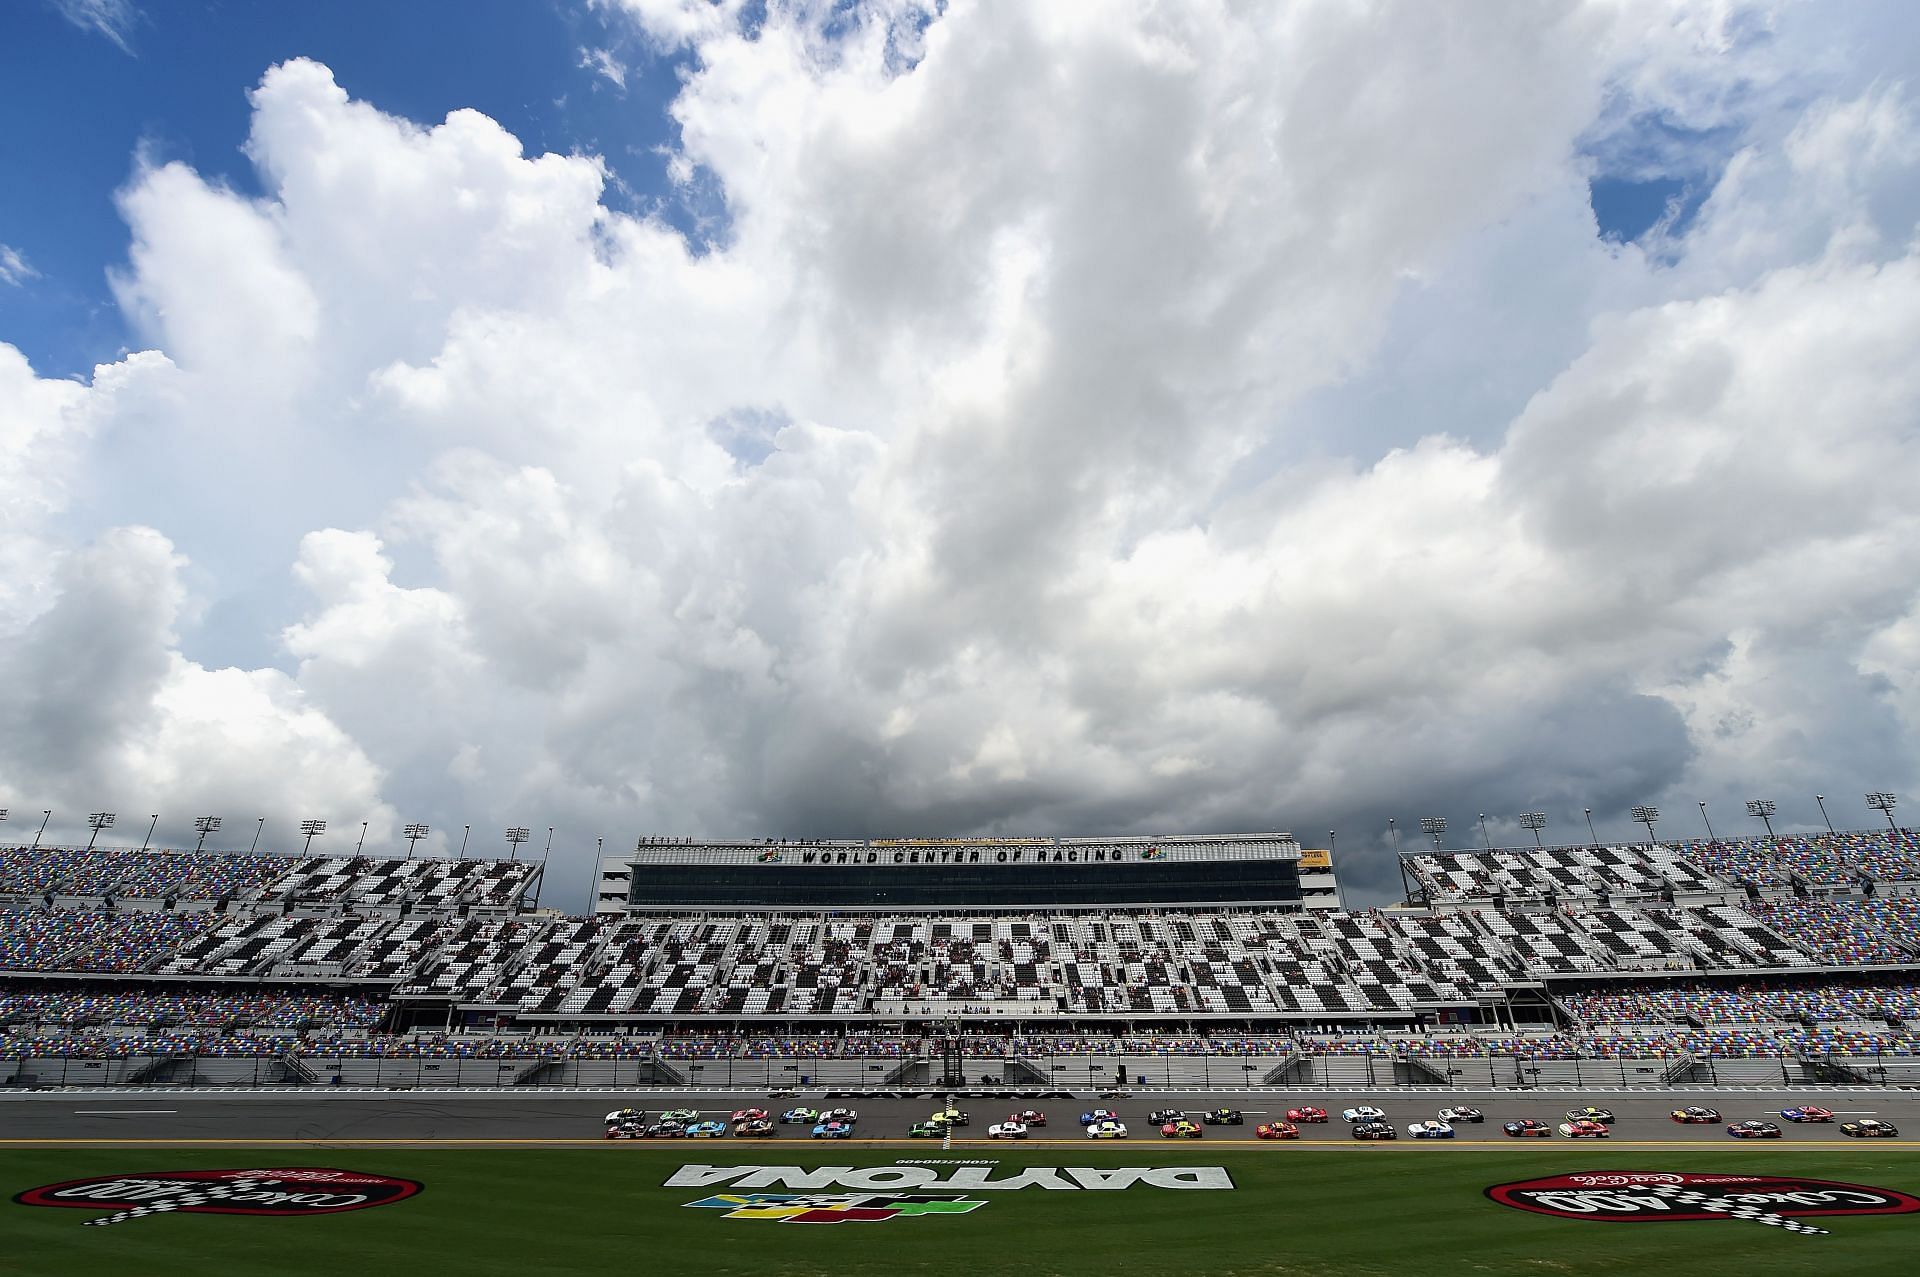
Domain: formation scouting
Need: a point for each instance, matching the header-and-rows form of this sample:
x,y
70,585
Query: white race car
x,y
1430,1130
1363,1113
1107,1129
1007,1131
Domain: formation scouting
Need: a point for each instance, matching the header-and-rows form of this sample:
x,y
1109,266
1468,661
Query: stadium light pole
x,y
258,828
414,834
549,851
1883,803
515,837
47,814
151,822
1536,821
593,881
1764,809
1393,833
1646,816
206,825
363,838
1434,825
1822,800
312,829
466,831
1711,836
1483,831
96,821
1590,833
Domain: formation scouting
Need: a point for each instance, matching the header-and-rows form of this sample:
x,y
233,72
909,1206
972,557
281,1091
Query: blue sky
x,y
173,87
81,107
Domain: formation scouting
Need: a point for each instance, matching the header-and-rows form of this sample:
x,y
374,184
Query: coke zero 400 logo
x,y
1634,1197
286,1190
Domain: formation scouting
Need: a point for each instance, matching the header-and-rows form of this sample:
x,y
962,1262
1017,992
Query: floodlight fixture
x,y
1764,809
1535,821
206,825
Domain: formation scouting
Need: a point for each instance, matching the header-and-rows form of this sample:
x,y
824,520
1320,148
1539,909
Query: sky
x,y
667,417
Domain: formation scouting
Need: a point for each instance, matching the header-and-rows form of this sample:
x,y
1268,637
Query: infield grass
x,y
1382,1212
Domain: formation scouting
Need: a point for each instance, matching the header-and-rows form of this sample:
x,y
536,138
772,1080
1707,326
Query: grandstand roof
x,y
969,851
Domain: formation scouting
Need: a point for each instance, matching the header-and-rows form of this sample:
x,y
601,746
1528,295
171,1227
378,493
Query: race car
x,y
1007,1131
802,1114
1223,1117
833,1131
626,1131
840,1115
1695,1113
950,1117
706,1130
1029,1117
1591,1114
682,1116
747,1115
1159,1117
1107,1129
1430,1130
1753,1130
1581,1128
1807,1113
1307,1113
1184,1129
624,1115
1100,1115
926,1130
1374,1131
1462,1113
1869,1128
1362,1113
1277,1131
754,1126
1528,1128
664,1130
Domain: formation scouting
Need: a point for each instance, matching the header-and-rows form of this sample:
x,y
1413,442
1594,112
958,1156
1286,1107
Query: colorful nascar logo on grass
x,y
1637,1197
281,1191
836,1208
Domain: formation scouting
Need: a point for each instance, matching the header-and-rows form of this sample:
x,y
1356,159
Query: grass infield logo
x,y
286,1190
836,1208
1637,1197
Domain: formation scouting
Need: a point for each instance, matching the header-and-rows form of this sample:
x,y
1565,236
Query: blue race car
x,y
833,1131
706,1130
1099,1115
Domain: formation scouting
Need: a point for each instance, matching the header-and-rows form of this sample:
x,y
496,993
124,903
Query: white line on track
x,y
121,1112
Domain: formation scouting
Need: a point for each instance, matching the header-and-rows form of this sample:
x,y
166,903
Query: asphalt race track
x,y
336,1118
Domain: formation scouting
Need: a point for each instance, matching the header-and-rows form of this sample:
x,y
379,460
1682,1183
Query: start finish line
x,y
972,1178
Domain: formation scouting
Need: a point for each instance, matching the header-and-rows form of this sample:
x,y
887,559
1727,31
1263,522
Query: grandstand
x,y
1188,960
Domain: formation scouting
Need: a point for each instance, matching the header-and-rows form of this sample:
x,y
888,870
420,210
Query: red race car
x,y
1306,1113
1807,1113
1277,1131
1030,1117
1584,1129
